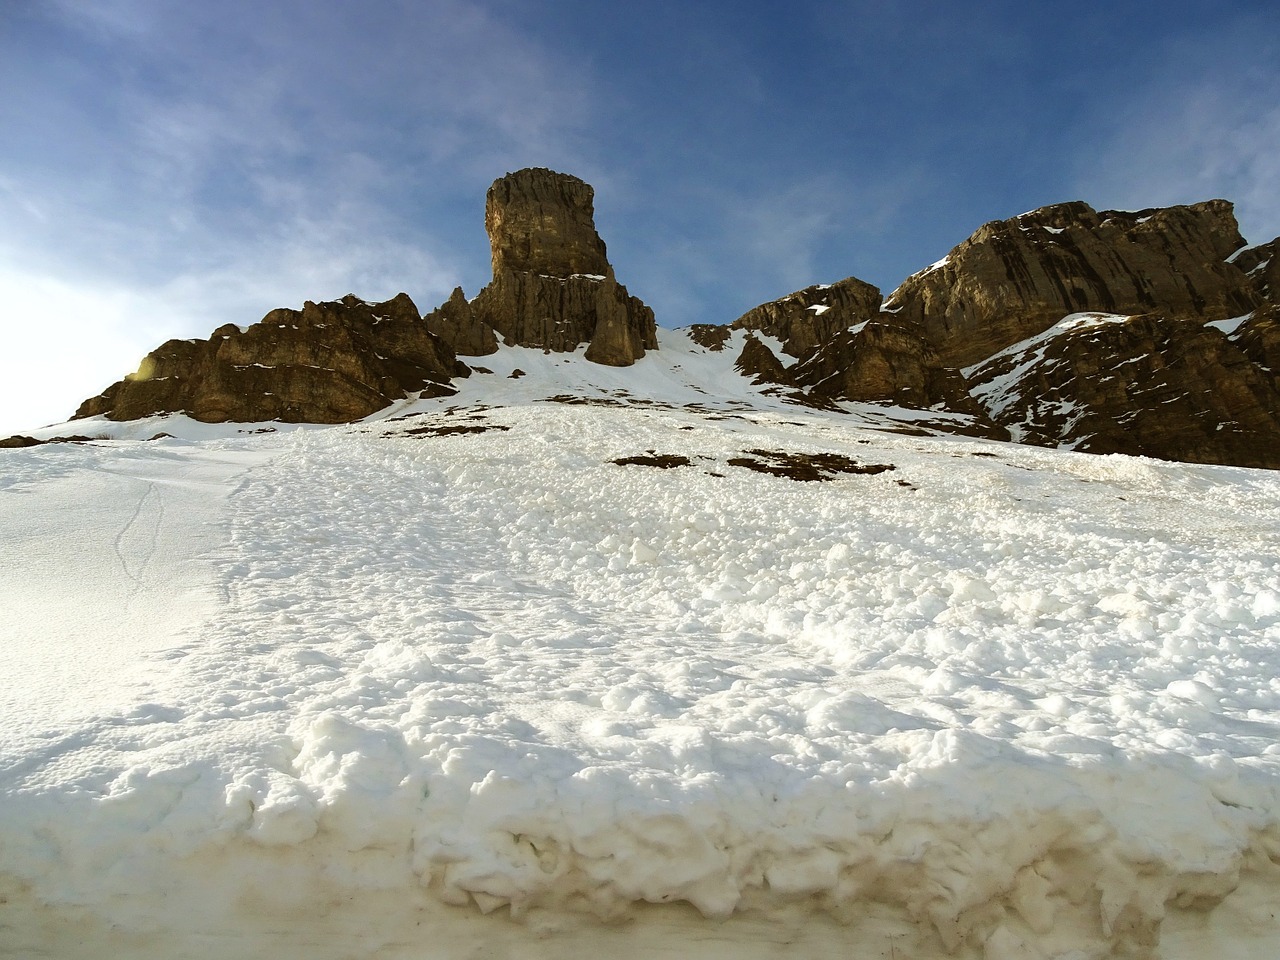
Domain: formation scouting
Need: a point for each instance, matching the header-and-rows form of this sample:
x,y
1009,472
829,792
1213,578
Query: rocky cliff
x,y
1150,385
1178,359
1014,278
553,286
847,348
1261,264
809,318
326,363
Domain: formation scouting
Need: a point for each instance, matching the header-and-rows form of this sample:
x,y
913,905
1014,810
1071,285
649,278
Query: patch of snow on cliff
x,y
995,393
1230,325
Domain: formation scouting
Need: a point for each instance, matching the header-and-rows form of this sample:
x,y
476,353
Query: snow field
x,y
998,702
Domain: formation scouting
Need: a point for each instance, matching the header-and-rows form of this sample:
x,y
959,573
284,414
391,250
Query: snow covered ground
x,y
454,684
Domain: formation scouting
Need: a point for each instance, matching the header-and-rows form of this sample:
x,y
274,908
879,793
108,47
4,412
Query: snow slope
x,y
400,689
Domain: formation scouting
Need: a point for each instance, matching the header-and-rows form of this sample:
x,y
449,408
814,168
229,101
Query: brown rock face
x,y
808,318
553,286
1015,278
456,323
761,364
1149,385
1259,338
327,363
849,350
885,361
540,221
1261,264
709,336
561,314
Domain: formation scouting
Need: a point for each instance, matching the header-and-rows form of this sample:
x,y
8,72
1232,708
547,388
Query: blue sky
x,y
167,167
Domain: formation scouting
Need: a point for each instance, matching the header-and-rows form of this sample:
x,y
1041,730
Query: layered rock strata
x,y
847,348
1261,264
1015,278
1149,385
809,318
553,287
329,362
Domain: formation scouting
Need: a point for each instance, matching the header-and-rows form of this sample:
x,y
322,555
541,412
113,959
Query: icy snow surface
x,y
365,692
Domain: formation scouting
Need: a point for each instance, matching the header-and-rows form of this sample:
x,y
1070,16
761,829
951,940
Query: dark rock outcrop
x,y
1261,264
761,364
553,286
1259,338
809,318
20,441
1150,385
1015,278
327,363
710,336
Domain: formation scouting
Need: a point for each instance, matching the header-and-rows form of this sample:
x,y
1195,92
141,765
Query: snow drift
x,y
452,683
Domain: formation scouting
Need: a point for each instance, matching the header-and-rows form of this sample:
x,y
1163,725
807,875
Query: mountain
x,y
1148,333
990,341
754,640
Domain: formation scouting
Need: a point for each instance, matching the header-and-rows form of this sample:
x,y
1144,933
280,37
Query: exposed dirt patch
x,y
805,466
515,374
663,461
18,441
446,430
585,401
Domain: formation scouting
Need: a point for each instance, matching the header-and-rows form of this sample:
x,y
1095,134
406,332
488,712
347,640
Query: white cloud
x,y
1190,141
71,333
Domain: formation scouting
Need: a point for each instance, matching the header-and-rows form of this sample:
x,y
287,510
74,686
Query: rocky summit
x,y
553,286
1152,332
1014,278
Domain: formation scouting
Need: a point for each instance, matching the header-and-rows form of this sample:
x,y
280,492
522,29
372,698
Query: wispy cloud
x,y
215,161
1180,139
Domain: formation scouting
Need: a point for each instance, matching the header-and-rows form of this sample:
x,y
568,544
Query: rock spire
x,y
553,286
